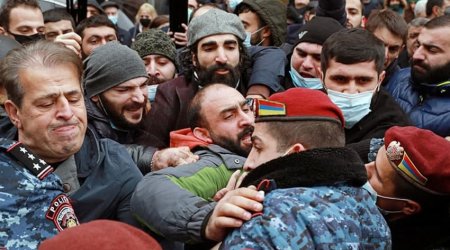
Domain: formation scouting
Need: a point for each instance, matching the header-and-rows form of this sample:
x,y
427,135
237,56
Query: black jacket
x,y
385,113
101,125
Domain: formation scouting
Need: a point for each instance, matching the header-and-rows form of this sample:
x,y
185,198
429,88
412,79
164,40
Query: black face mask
x,y
145,22
27,39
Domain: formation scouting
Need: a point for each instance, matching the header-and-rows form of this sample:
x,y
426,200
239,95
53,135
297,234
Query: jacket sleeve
x,y
334,9
267,67
174,202
142,156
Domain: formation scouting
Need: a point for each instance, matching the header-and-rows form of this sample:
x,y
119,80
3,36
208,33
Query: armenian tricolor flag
x,y
270,108
408,168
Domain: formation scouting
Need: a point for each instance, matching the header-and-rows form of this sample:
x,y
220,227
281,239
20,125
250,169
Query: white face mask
x,y
353,106
248,38
152,92
301,82
375,196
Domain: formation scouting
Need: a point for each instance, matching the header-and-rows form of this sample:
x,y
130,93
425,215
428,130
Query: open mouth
x,y
306,75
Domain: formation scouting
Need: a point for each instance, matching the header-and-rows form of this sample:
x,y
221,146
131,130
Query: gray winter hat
x,y
213,22
155,41
110,65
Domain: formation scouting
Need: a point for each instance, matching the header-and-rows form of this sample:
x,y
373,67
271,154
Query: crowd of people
x,y
266,124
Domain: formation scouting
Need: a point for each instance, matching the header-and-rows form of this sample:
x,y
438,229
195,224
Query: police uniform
x,y
33,206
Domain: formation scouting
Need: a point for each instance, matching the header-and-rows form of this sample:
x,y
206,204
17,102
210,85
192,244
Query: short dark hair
x,y
42,53
438,22
56,15
94,21
7,6
390,20
350,46
431,4
312,134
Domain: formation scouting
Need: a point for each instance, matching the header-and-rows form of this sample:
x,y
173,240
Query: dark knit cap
x,y
110,65
318,30
215,21
155,41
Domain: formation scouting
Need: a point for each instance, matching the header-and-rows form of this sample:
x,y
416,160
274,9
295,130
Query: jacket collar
x,y
315,167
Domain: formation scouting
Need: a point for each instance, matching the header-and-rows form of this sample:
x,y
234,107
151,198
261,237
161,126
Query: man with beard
x,y
214,54
159,54
116,91
423,91
176,202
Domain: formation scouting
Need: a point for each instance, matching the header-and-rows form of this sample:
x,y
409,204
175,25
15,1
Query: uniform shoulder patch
x,y
61,213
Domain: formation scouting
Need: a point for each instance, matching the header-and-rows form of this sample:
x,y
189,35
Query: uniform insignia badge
x,y
397,154
395,151
62,213
36,166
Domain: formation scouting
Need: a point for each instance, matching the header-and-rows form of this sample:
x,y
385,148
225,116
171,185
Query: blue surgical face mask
x,y
301,82
375,196
248,37
113,19
189,13
152,92
233,3
353,106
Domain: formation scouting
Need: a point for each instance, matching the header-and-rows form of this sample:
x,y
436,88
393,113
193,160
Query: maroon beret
x,y
101,234
298,104
421,157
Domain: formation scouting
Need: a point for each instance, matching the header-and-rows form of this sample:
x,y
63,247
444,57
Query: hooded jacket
x,y
273,13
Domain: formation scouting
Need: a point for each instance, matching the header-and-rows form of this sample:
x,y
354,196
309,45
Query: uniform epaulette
x,y
36,166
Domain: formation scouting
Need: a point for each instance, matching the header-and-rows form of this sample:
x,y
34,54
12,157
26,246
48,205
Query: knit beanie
x,y
318,30
110,65
273,13
155,41
214,22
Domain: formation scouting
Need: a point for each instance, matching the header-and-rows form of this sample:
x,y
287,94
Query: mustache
x,y
135,105
220,66
245,131
420,63
154,80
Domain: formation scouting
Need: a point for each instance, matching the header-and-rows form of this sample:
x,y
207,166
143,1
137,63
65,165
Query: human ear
x,y
13,113
202,134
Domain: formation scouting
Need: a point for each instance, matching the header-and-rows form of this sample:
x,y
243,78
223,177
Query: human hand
x,y
71,40
179,38
232,211
172,157
233,183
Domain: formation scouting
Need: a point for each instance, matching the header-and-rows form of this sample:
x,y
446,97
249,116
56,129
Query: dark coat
x,y
101,126
385,114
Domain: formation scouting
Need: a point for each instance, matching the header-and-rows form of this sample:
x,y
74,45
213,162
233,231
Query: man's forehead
x,y
99,31
26,16
218,38
433,36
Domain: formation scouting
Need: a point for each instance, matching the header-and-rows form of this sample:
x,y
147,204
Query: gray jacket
x,y
174,202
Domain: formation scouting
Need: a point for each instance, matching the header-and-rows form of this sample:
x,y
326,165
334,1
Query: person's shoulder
x,y
178,82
